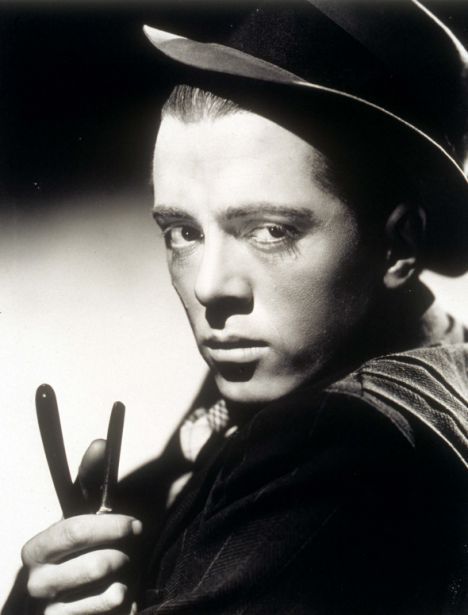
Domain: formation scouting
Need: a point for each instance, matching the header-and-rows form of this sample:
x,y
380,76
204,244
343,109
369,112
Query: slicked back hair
x,y
192,104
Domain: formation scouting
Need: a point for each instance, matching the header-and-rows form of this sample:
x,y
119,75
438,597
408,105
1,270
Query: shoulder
x,y
396,414
422,391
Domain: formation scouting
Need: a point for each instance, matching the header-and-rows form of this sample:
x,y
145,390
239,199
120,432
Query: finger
x,y
70,536
111,600
91,472
50,580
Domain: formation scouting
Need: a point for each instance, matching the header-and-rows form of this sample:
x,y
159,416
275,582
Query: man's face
x,y
269,265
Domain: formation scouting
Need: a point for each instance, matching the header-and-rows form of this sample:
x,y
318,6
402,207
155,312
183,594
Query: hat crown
x,y
391,54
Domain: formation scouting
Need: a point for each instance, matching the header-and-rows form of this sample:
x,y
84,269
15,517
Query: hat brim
x,y
450,185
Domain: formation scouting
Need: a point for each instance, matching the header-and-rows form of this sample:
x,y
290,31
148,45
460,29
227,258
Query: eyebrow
x,y
257,209
262,208
167,211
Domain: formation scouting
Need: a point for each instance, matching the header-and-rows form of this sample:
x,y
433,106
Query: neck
x,y
402,321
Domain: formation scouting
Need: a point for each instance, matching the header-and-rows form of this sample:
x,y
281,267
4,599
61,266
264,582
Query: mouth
x,y
235,349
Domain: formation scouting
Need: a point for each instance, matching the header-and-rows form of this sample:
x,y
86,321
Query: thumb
x,y
91,473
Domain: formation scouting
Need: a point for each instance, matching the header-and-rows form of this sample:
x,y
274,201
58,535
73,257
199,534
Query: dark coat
x,y
352,500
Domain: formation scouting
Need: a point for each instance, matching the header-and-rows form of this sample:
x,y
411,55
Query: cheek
x,y
297,306
183,276
322,294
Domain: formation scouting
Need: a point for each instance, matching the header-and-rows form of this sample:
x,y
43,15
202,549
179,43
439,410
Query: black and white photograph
x,y
234,307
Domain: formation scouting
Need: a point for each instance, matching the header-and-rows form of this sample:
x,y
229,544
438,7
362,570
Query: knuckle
x,y
102,564
35,587
73,532
58,608
38,548
98,568
118,560
33,551
27,554
114,596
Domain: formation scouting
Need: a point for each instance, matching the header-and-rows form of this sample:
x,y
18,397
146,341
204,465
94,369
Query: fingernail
x,y
137,527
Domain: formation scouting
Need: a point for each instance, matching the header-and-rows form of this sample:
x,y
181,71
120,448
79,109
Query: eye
x,y
182,236
273,233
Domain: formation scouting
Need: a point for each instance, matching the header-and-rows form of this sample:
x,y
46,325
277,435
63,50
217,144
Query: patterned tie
x,y
199,426
194,434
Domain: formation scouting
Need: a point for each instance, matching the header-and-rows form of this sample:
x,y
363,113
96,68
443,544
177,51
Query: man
x,y
323,467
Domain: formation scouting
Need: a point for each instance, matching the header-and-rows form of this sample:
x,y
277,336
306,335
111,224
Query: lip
x,y
235,349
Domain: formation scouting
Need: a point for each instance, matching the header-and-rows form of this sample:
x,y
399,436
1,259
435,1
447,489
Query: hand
x,y
77,566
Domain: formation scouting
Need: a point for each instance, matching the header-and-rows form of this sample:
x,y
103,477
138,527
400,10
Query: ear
x,y
404,230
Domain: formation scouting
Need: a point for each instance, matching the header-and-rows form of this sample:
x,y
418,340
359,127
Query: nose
x,y
223,283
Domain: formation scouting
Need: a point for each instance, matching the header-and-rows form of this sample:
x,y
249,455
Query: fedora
x,y
394,63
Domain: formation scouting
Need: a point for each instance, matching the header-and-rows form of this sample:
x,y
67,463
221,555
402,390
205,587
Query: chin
x,y
254,390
